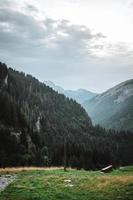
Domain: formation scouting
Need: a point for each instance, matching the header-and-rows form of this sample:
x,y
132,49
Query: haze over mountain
x,y
113,108
80,95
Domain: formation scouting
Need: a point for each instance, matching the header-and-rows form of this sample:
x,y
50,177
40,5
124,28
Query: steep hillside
x,y
80,95
113,108
33,112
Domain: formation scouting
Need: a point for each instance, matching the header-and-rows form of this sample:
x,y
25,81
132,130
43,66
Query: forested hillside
x,y
37,124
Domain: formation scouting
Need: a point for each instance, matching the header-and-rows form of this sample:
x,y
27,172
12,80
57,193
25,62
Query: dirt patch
x,y
25,169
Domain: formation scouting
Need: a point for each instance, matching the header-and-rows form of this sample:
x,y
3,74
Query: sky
x,y
74,43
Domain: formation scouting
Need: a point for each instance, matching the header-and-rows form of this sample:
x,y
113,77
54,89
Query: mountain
x,y
35,116
113,108
80,95
39,127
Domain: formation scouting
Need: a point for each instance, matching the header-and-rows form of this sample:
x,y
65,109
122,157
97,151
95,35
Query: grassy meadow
x,y
55,184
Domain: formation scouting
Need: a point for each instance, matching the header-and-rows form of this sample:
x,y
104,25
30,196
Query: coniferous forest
x,y
37,125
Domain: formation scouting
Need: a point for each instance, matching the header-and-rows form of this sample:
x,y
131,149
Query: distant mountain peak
x,y
80,95
54,87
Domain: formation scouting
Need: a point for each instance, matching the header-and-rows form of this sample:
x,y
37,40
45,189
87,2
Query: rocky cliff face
x,y
3,75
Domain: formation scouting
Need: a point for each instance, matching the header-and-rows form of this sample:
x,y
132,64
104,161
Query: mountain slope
x,y
80,95
38,125
35,116
113,108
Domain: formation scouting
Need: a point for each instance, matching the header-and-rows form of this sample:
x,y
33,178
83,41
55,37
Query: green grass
x,y
87,185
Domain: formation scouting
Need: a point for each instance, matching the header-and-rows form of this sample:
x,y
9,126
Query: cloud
x,y
29,36
5,3
130,3
31,8
23,33
56,49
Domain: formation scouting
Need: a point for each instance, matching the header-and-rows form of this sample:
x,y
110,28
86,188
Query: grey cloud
x,y
52,49
21,23
23,33
49,48
5,3
71,39
31,8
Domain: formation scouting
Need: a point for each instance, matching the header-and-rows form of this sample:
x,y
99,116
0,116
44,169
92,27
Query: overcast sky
x,y
74,43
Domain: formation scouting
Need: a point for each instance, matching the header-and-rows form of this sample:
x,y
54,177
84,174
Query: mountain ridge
x,y
115,103
80,95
